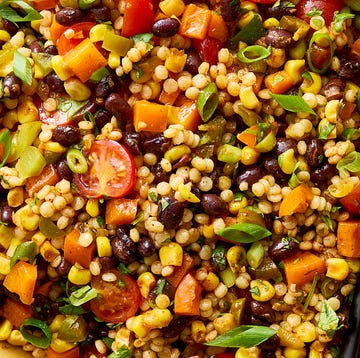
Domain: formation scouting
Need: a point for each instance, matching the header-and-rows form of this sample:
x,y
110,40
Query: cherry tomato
x,y
208,49
89,350
118,300
351,202
111,171
71,353
326,7
225,355
81,31
138,17
57,117
264,1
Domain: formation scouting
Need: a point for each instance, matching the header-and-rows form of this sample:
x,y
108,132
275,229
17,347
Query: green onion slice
x,y
292,103
243,336
350,163
311,292
207,101
22,68
82,295
9,13
340,18
26,250
76,161
41,341
314,38
244,232
260,51
5,145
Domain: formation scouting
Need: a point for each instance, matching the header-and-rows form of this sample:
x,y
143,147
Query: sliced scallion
x,y
5,145
315,37
259,52
340,18
292,103
76,161
207,101
9,13
311,292
244,232
82,295
22,68
41,341
350,162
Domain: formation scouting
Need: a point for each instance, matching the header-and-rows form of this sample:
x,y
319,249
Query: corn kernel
x,y
208,231
287,161
79,276
262,290
122,338
224,323
139,328
253,352
306,331
157,318
5,329
171,254
15,197
248,97
337,268
10,119
314,353
60,67
27,219
289,339
97,32
53,147
175,62
27,112
271,22
114,60
59,345
38,238
48,251
92,208
103,246
210,282
175,153
198,331
295,69
16,338
172,7
312,85
332,110
185,192
236,258
277,57
146,281
294,352
76,89
249,155
4,36
4,264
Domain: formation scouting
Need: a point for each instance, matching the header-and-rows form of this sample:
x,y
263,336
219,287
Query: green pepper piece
x,y
76,161
43,61
73,329
266,270
26,250
229,154
207,101
31,162
117,44
49,228
255,254
266,144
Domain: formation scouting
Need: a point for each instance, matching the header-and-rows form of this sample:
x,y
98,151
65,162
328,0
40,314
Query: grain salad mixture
x,y
179,179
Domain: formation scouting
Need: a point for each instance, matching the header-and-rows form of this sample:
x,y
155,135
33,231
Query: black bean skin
x,y
123,247
263,310
193,61
170,212
146,247
314,152
250,174
68,16
101,117
98,13
104,86
165,27
271,344
334,89
213,205
108,262
11,85
322,174
131,140
54,82
51,50
64,267
159,173
35,47
272,167
282,249
228,10
279,11
157,145
6,214
278,38
63,170
176,326
117,105
66,135
284,144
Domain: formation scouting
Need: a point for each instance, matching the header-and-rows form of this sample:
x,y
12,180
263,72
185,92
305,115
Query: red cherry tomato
x,y
81,31
90,351
326,7
225,355
351,202
55,118
138,17
264,1
208,49
111,171
72,353
118,300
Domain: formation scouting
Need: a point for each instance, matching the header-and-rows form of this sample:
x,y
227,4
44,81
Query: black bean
x,y
184,160
279,11
101,117
157,145
271,344
278,38
213,205
349,69
51,50
107,262
282,248
170,212
68,16
165,27
117,105
123,247
63,170
146,247
64,267
319,55
176,326
98,13
250,174
11,85
104,86
272,167
263,310
334,89
131,140
284,144
54,82
9,26
35,47
6,214
66,135
90,107
314,152
229,10
159,173
193,61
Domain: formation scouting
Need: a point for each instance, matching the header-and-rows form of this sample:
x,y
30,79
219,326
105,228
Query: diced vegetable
x,y
121,211
180,271
150,116
15,311
195,22
279,82
297,201
348,243
138,17
187,297
186,114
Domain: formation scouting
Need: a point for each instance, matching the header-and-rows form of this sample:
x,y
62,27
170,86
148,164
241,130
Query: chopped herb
x,y
311,292
335,351
123,352
219,257
325,130
8,12
108,341
327,220
351,133
255,290
307,75
121,283
164,203
22,68
250,33
82,295
100,221
159,287
340,18
292,103
71,310
329,320
350,163
153,196
314,12
139,218
122,268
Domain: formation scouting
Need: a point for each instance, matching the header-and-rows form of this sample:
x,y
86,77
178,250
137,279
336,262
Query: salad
x,y
179,178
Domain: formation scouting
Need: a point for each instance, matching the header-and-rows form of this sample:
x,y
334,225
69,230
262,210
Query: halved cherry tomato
x,y
71,353
264,1
138,17
57,117
325,6
351,202
81,31
89,350
118,300
111,171
225,355
208,49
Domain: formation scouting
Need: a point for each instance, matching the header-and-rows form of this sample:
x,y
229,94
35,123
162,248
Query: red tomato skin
x,y
115,304
55,118
351,202
208,49
327,7
65,44
225,355
102,178
89,350
138,17
264,1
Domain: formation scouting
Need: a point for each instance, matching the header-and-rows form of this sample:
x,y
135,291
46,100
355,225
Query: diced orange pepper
x,y
186,114
16,312
48,176
56,30
180,271
348,238
297,201
217,27
150,116
121,211
279,82
195,22
187,297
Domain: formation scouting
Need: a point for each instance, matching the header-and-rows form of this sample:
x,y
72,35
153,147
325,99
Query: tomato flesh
x,y
208,49
351,202
138,17
118,300
326,7
111,171
264,1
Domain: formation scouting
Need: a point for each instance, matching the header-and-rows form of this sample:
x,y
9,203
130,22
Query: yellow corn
x,y
6,235
15,242
337,268
16,338
114,60
79,276
57,322
97,32
236,205
306,331
76,89
123,338
157,318
312,85
236,258
53,147
295,69
103,246
224,323
171,254
210,282
4,264
271,22
10,119
198,331
245,18
208,231
59,345
175,62
15,197
253,352
27,112
332,110
5,329
248,97
185,192
289,339
92,208
287,161
314,353
4,36
172,7
277,57
297,52
48,251
175,153
249,155
27,219
294,352
262,290
146,282
60,67
39,238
